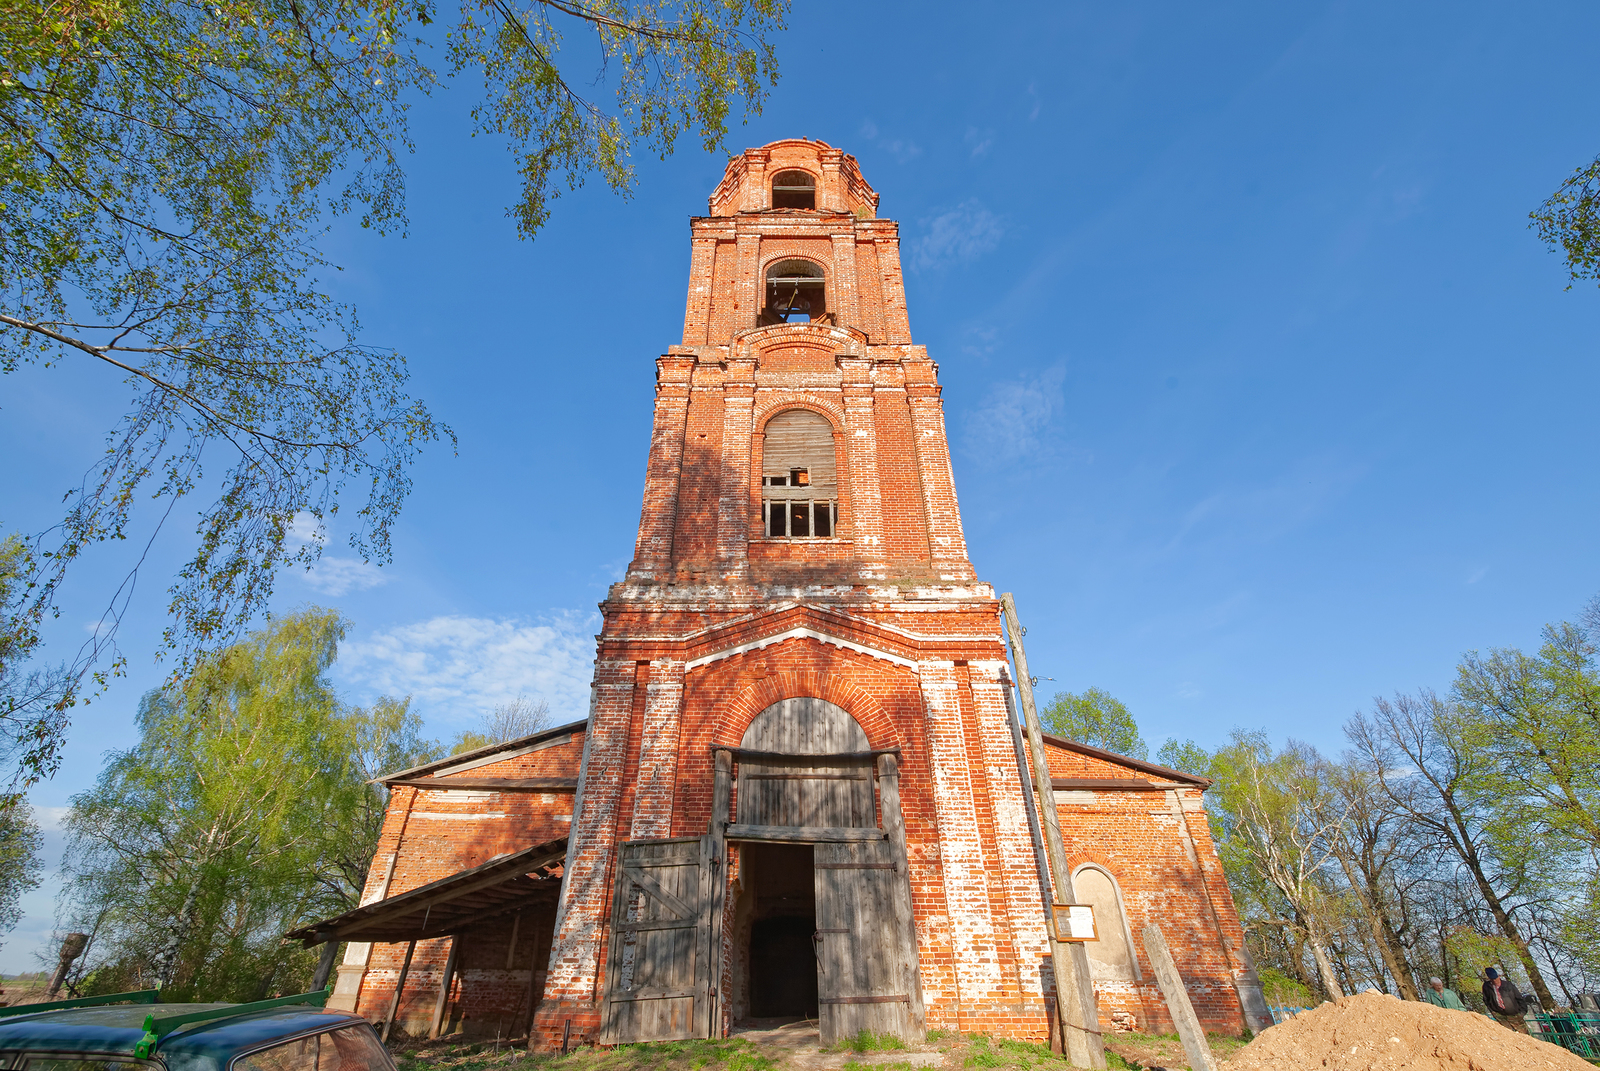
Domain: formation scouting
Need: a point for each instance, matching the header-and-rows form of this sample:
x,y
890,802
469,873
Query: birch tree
x,y
237,816
1277,817
1429,758
167,171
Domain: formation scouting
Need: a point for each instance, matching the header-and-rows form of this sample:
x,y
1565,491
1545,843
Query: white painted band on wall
x,y
798,634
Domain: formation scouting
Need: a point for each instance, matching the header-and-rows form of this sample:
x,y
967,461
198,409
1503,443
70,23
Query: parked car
x,y
130,1032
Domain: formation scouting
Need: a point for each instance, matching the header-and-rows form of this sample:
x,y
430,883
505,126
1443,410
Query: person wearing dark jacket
x,y
1503,1000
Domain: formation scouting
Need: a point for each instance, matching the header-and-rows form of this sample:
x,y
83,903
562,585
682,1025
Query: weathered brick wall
x,y
428,835
1156,845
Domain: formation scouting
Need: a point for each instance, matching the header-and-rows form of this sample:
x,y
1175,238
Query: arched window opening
x,y
796,293
794,189
1111,956
799,478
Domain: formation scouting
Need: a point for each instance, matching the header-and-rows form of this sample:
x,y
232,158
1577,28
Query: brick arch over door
x,y
796,684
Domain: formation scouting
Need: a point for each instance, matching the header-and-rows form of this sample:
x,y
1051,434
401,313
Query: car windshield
x,y
351,1048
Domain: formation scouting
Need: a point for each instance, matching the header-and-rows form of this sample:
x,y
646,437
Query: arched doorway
x,y
822,924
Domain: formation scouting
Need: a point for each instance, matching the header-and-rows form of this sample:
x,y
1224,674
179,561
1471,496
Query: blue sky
x,y
1263,397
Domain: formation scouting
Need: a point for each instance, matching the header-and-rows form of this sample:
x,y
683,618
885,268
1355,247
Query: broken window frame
x,y
799,478
779,517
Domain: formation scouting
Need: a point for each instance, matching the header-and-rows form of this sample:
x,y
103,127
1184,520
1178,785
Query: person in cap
x,y
1503,1000
1440,997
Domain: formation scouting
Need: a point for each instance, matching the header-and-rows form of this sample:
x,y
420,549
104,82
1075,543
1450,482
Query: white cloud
x,y
340,576
50,817
459,668
963,233
1265,511
980,140
305,530
331,575
902,149
1015,418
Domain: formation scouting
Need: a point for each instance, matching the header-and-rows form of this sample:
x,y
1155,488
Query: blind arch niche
x,y
1111,957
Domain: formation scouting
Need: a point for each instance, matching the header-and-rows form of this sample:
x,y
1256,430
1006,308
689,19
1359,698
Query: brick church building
x,y
801,790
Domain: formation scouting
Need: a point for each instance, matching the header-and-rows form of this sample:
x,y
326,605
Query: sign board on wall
x,y
1075,922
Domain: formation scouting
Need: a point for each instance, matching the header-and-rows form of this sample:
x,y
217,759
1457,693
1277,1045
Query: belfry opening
x,y
798,791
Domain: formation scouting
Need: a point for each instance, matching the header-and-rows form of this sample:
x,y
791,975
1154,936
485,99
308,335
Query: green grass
x,y
735,1054
867,1041
985,1051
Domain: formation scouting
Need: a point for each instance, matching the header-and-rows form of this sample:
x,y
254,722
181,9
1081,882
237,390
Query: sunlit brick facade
x,y
859,594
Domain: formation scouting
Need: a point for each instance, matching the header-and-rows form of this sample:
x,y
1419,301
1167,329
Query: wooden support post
x,y
444,988
1171,982
1084,1044
511,949
399,987
715,896
529,1005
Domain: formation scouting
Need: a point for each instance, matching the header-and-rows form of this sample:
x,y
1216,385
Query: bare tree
x,y
508,721
1367,845
1424,760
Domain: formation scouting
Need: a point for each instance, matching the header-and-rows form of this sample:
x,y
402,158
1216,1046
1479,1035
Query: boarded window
x,y
799,478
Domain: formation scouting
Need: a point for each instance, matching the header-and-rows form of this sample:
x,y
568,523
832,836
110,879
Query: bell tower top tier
x,y
833,178
794,237
799,445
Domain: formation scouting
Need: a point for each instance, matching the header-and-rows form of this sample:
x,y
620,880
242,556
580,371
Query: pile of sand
x,y
1372,1031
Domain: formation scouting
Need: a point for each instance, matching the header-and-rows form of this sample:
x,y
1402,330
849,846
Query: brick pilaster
x,y
659,514
658,751
734,502
1012,844
579,943
971,932
896,325
697,309
946,540
844,296
865,523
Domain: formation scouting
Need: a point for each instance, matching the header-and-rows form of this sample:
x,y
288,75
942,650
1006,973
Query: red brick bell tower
x,y
799,695
799,792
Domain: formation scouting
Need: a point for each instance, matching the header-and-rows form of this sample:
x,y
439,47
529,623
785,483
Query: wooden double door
x,y
809,781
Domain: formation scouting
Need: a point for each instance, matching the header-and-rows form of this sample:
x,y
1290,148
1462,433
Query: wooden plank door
x,y
866,956
789,786
658,975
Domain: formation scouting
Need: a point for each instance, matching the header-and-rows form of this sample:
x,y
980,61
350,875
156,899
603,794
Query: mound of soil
x,y
1375,1032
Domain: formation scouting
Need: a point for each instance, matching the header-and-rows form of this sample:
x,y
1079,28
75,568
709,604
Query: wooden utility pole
x,y
1080,1017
